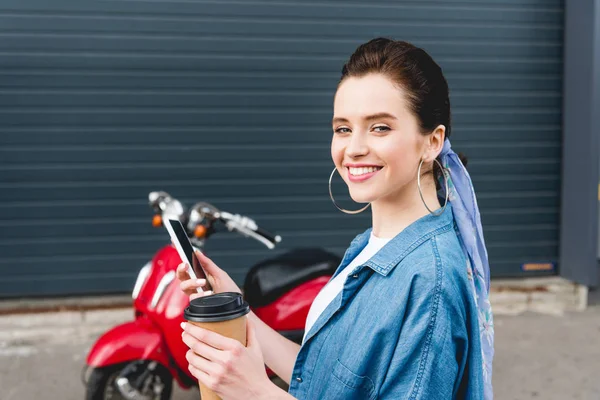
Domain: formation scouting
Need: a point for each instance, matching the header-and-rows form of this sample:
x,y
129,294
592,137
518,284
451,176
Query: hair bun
x,y
463,158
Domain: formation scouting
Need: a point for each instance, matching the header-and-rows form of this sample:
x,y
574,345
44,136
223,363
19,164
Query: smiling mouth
x,y
360,171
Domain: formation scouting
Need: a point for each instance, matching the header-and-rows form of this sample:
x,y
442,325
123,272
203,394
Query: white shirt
x,y
335,286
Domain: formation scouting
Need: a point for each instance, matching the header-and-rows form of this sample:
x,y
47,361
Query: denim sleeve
x,y
427,360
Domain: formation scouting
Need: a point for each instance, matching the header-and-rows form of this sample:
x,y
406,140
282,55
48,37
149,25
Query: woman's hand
x,y
218,279
225,366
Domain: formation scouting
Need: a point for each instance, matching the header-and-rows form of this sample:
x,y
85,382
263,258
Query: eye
x,y
381,128
342,130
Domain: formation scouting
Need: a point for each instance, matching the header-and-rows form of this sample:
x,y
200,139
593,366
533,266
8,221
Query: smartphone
x,y
186,251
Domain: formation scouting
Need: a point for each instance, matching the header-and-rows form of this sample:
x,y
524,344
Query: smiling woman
x,y
406,314
373,127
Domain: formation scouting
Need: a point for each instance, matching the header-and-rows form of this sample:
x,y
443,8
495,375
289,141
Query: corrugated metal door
x,y
230,102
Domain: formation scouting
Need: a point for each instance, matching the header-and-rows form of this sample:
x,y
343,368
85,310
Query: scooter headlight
x,y
141,279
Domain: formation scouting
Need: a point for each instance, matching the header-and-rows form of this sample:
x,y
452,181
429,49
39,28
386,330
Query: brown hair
x,y
413,70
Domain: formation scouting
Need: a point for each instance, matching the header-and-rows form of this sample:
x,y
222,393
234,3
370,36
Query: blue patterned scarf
x,y
468,221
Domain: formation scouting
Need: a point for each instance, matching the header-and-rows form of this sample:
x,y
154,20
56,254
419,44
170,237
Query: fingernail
x,y
183,325
201,281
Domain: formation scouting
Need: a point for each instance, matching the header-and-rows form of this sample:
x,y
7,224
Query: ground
x,y
537,356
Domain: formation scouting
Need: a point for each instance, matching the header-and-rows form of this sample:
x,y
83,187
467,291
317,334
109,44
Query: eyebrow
x,y
382,115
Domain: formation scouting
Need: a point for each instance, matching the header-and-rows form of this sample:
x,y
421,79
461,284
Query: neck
x,y
394,213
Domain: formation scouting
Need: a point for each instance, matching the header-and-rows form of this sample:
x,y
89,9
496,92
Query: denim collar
x,y
403,243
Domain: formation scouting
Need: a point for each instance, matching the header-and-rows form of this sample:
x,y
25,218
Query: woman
x,y
406,314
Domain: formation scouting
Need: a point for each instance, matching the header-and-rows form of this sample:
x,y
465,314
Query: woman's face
x,y
376,144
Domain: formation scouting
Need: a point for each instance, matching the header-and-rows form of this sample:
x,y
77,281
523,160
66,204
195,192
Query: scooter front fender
x,y
135,340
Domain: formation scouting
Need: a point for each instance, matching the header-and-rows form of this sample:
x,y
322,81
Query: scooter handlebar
x,y
268,235
247,227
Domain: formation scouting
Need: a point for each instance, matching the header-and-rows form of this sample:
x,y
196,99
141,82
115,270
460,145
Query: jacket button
x,y
299,379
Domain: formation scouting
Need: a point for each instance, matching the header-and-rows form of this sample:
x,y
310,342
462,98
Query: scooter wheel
x,y
101,383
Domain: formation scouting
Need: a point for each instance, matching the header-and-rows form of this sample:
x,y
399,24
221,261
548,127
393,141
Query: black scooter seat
x,y
270,279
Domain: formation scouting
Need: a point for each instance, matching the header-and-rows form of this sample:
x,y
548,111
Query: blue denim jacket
x,y
404,326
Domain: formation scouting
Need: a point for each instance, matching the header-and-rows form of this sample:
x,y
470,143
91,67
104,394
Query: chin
x,y
362,197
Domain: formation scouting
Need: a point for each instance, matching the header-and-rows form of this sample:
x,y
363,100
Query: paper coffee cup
x,y
224,313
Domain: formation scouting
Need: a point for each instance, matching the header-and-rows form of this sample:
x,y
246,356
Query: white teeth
x,y
362,170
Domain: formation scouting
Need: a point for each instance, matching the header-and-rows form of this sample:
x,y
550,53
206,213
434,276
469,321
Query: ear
x,y
435,143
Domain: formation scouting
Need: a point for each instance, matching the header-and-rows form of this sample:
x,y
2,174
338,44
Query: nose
x,y
357,146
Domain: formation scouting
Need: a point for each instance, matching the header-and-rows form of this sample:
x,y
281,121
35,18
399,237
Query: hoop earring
x,y
336,205
441,210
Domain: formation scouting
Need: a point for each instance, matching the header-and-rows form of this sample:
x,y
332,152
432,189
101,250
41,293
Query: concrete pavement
x,y
537,356
42,355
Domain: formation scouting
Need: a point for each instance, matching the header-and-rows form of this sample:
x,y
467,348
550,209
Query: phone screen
x,y
186,246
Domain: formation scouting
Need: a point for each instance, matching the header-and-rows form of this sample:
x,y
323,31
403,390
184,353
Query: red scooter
x,y
141,358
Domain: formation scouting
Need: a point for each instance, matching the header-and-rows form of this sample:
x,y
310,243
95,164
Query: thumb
x,y
213,272
207,264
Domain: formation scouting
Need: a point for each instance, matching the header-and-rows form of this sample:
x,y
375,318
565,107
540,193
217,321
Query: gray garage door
x,y
230,102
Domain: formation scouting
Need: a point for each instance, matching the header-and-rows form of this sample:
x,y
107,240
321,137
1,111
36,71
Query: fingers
x,y
188,285
196,295
182,272
201,376
211,338
192,285
200,348
201,363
